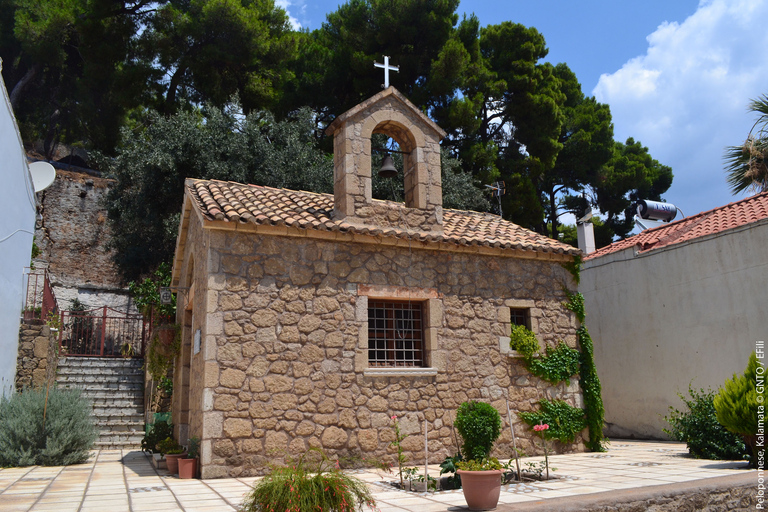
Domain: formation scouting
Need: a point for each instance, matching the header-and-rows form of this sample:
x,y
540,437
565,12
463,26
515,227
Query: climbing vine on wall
x,y
574,267
558,365
576,304
564,420
590,387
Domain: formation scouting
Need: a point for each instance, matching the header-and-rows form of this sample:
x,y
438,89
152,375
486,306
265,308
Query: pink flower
x,y
539,428
394,417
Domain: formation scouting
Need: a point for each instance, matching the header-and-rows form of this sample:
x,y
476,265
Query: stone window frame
x,y
506,320
432,308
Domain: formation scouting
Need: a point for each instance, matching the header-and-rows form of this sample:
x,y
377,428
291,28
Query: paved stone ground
x,y
122,481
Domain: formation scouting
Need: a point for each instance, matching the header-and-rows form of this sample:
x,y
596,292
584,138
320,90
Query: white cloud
x,y
686,98
286,4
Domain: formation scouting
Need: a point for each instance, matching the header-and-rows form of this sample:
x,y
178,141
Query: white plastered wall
x,y
16,230
688,313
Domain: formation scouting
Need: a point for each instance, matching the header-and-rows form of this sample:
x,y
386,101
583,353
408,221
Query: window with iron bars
x,y
520,317
395,334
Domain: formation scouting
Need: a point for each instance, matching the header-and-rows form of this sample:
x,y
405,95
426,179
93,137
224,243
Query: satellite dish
x,y
43,175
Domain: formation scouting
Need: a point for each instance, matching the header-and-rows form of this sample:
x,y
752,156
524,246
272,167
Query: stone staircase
x,y
115,386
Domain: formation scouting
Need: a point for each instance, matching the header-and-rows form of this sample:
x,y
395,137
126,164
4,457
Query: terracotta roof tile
x,y
732,215
235,202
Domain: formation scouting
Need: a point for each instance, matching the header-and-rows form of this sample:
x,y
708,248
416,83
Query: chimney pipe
x,y
585,233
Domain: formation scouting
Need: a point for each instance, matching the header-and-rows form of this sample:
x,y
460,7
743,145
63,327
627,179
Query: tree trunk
x,y
553,213
170,97
22,84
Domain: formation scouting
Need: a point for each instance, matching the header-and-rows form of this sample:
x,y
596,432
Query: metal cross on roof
x,y
387,68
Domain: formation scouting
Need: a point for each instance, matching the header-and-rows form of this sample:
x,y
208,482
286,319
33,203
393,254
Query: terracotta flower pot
x,y
481,488
172,460
187,468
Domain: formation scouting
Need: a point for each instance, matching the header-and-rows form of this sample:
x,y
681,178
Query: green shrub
x,y
524,341
736,405
316,486
699,429
65,437
169,446
479,425
156,433
479,465
564,420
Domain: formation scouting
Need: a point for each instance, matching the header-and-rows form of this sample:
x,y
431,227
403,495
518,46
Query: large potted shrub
x,y
479,425
188,462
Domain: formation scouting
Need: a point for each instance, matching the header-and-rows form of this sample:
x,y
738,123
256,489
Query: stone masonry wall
x,y
72,242
286,331
36,362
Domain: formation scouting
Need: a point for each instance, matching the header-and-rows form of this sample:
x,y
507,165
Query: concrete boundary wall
x,y
686,314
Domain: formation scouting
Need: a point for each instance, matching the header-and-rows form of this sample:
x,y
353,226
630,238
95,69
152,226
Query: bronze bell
x,y
388,169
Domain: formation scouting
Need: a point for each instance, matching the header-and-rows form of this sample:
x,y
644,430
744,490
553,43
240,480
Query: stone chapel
x,y
309,320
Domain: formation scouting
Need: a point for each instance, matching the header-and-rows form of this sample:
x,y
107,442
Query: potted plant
x,y
479,426
156,433
188,463
173,451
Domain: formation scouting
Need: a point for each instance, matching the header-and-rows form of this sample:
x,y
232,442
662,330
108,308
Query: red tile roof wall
x,y
732,215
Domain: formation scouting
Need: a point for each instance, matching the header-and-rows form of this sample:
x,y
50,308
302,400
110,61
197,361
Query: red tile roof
x,y
235,202
732,215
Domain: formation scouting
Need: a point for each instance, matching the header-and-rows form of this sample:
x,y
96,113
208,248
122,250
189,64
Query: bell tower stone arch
x,y
391,114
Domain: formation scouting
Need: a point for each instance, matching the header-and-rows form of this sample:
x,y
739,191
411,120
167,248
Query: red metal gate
x,y
102,332
40,299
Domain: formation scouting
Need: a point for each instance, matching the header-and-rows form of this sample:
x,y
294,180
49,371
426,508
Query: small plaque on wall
x,y
196,348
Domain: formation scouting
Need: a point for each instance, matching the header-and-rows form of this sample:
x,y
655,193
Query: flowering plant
x,y
541,429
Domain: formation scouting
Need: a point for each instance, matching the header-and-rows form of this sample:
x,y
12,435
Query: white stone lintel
x,y
400,372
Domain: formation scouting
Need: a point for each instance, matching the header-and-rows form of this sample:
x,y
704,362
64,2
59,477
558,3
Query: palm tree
x,y
746,164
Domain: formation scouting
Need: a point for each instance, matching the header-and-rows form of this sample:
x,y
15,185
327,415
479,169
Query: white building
x,y
17,195
684,303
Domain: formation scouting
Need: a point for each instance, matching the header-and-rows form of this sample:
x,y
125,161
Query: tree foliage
x,y
213,49
747,164
72,67
151,166
80,71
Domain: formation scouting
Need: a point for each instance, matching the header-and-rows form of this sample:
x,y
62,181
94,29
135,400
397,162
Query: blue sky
x,y
678,74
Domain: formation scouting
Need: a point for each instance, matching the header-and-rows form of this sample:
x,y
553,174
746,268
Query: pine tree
x,y
738,403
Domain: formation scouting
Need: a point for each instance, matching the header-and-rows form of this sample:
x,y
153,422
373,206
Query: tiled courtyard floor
x,y
116,481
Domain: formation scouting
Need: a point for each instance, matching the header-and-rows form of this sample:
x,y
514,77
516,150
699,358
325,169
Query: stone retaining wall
x,y
717,500
737,492
37,361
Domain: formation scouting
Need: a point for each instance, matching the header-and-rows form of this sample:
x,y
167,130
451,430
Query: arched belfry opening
x,y
418,137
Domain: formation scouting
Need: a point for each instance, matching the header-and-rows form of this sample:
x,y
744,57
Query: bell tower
x,y
389,113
